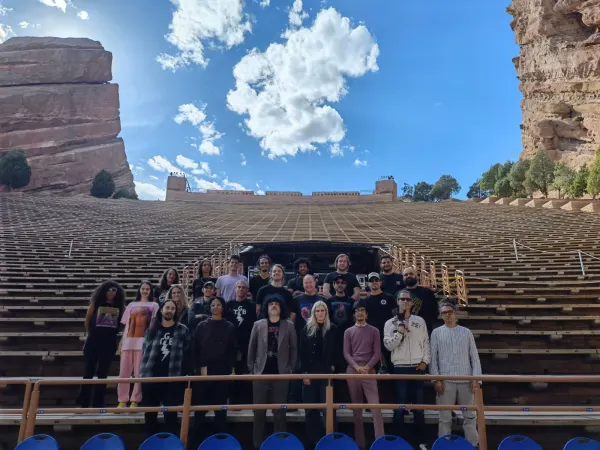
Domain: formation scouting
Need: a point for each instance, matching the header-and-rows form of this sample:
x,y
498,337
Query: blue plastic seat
x,y
390,442
162,441
517,442
581,443
104,441
220,442
38,442
336,441
452,442
278,441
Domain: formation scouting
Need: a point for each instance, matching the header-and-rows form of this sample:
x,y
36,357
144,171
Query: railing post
x,y
478,394
26,400
185,418
515,247
445,280
32,414
581,262
329,411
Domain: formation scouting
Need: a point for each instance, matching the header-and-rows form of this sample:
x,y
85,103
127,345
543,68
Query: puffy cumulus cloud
x,y
24,24
186,163
200,23
204,169
153,177
260,192
190,113
265,3
359,163
204,185
296,15
6,32
148,191
60,4
233,185
162,164
83,15
336,150
4,10
284,90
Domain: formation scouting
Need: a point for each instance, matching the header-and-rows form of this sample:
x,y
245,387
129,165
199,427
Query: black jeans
x,y
315,393
162,394
241,391
209,393
97,358
410,391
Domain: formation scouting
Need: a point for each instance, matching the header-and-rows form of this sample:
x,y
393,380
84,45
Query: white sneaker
x,y
423,447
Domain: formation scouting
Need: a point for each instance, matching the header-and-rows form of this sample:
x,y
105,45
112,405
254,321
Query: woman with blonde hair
x,y
319,342
178,295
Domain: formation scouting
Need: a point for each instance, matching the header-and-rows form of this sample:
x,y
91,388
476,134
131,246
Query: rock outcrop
x,y
559,70
57,105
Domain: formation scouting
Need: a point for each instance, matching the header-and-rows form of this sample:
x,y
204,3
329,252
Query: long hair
x,y
184,304
282,269
264,256
163,280
312,325
138,294
337,258
303,261
205,260
99,295
157,321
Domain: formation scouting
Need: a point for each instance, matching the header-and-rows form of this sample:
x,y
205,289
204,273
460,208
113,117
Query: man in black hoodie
x,y
214,353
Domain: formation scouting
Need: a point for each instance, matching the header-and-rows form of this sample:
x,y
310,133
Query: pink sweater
x,y
362,345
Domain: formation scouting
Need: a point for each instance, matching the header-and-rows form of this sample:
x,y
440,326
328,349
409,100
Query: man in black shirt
x,y
391,282
276,288
342,263
242,314
340,306
262,278
424,303
303,268
380,308
200,309
305,301
204,276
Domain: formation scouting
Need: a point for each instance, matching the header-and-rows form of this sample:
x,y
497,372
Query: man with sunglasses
x,y
454,353
406,337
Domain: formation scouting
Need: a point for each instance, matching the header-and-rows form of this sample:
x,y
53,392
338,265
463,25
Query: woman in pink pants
x,y
137,318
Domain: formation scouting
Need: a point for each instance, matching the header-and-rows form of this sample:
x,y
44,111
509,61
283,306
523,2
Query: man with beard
x,y
340,305
391,282
303,268
273,349
342,264
424,303
262,278
276,286
242,314
380,306
166,353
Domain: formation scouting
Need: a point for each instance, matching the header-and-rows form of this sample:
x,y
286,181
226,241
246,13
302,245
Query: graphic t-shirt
x,y
291,305
349,278
272,348
340,312
425,305
380,308
137,318
392,283
104,325
160,294
226,285
242,315
161,367
305,304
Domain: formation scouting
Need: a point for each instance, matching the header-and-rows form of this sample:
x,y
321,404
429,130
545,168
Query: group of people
x,y
233,325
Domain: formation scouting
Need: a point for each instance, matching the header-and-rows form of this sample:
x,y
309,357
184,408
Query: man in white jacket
x,y
406,337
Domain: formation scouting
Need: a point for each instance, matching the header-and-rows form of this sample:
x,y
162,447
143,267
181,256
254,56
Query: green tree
x,y
422,192
579,186
103,185
126,193
502,188
475,190
444,188
516,177
540,175
593,181
407,191
490,177
14,170
563,179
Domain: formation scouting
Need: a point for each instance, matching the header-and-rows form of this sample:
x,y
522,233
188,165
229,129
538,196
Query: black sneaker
x,y
383,370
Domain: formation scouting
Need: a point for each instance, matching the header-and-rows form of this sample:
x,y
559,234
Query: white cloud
x,y
203,169
162,164
359,163
203,184
260,192
6,32
284,159
336,150
197,117
83,15
197,23
265,3
186,163
244,162
147,191
4,10
296,15
284,90
24,24
60,4
153,177
233,185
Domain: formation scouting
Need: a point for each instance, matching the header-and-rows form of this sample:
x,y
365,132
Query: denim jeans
x,y
410,391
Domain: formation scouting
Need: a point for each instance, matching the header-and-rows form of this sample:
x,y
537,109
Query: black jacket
x,y
214,347
310,362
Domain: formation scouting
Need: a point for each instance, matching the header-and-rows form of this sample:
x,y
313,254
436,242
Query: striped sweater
x,y
453,352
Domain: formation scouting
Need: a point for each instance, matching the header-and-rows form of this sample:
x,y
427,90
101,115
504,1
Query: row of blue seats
x,y
277,441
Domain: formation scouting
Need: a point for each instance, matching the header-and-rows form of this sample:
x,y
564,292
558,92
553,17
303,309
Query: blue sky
x,y
300,95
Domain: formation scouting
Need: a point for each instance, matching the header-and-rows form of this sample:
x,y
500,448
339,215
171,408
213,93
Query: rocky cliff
x,y
559,70
57,105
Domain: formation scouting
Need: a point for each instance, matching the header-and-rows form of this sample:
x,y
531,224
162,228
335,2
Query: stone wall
x,y
57,105
559,70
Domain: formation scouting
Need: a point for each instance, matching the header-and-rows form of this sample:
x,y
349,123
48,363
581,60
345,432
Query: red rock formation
x,y
56,104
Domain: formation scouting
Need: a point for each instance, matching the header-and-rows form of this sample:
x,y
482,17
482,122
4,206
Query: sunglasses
x,y
112,289
447,313
340,282
405,299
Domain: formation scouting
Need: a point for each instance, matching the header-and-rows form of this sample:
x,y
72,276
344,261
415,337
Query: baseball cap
x,y
209,283
373,275
339,276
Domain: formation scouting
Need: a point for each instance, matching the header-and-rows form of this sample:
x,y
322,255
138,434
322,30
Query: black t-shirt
x,y
380,308
198,284
349,278
199,311
161,367
425,305
305,304
271,366
160,294
392,283
242,315
257,282
297,284
340,312
291,306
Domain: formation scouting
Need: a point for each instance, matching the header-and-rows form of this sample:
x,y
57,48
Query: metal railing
x,y
31,403
26,401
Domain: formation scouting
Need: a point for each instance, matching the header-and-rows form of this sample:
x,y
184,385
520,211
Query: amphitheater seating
x,y
336,441
104,441
38,442
519,443
390,442
220,442
162,441
582,444
282,440
452,442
